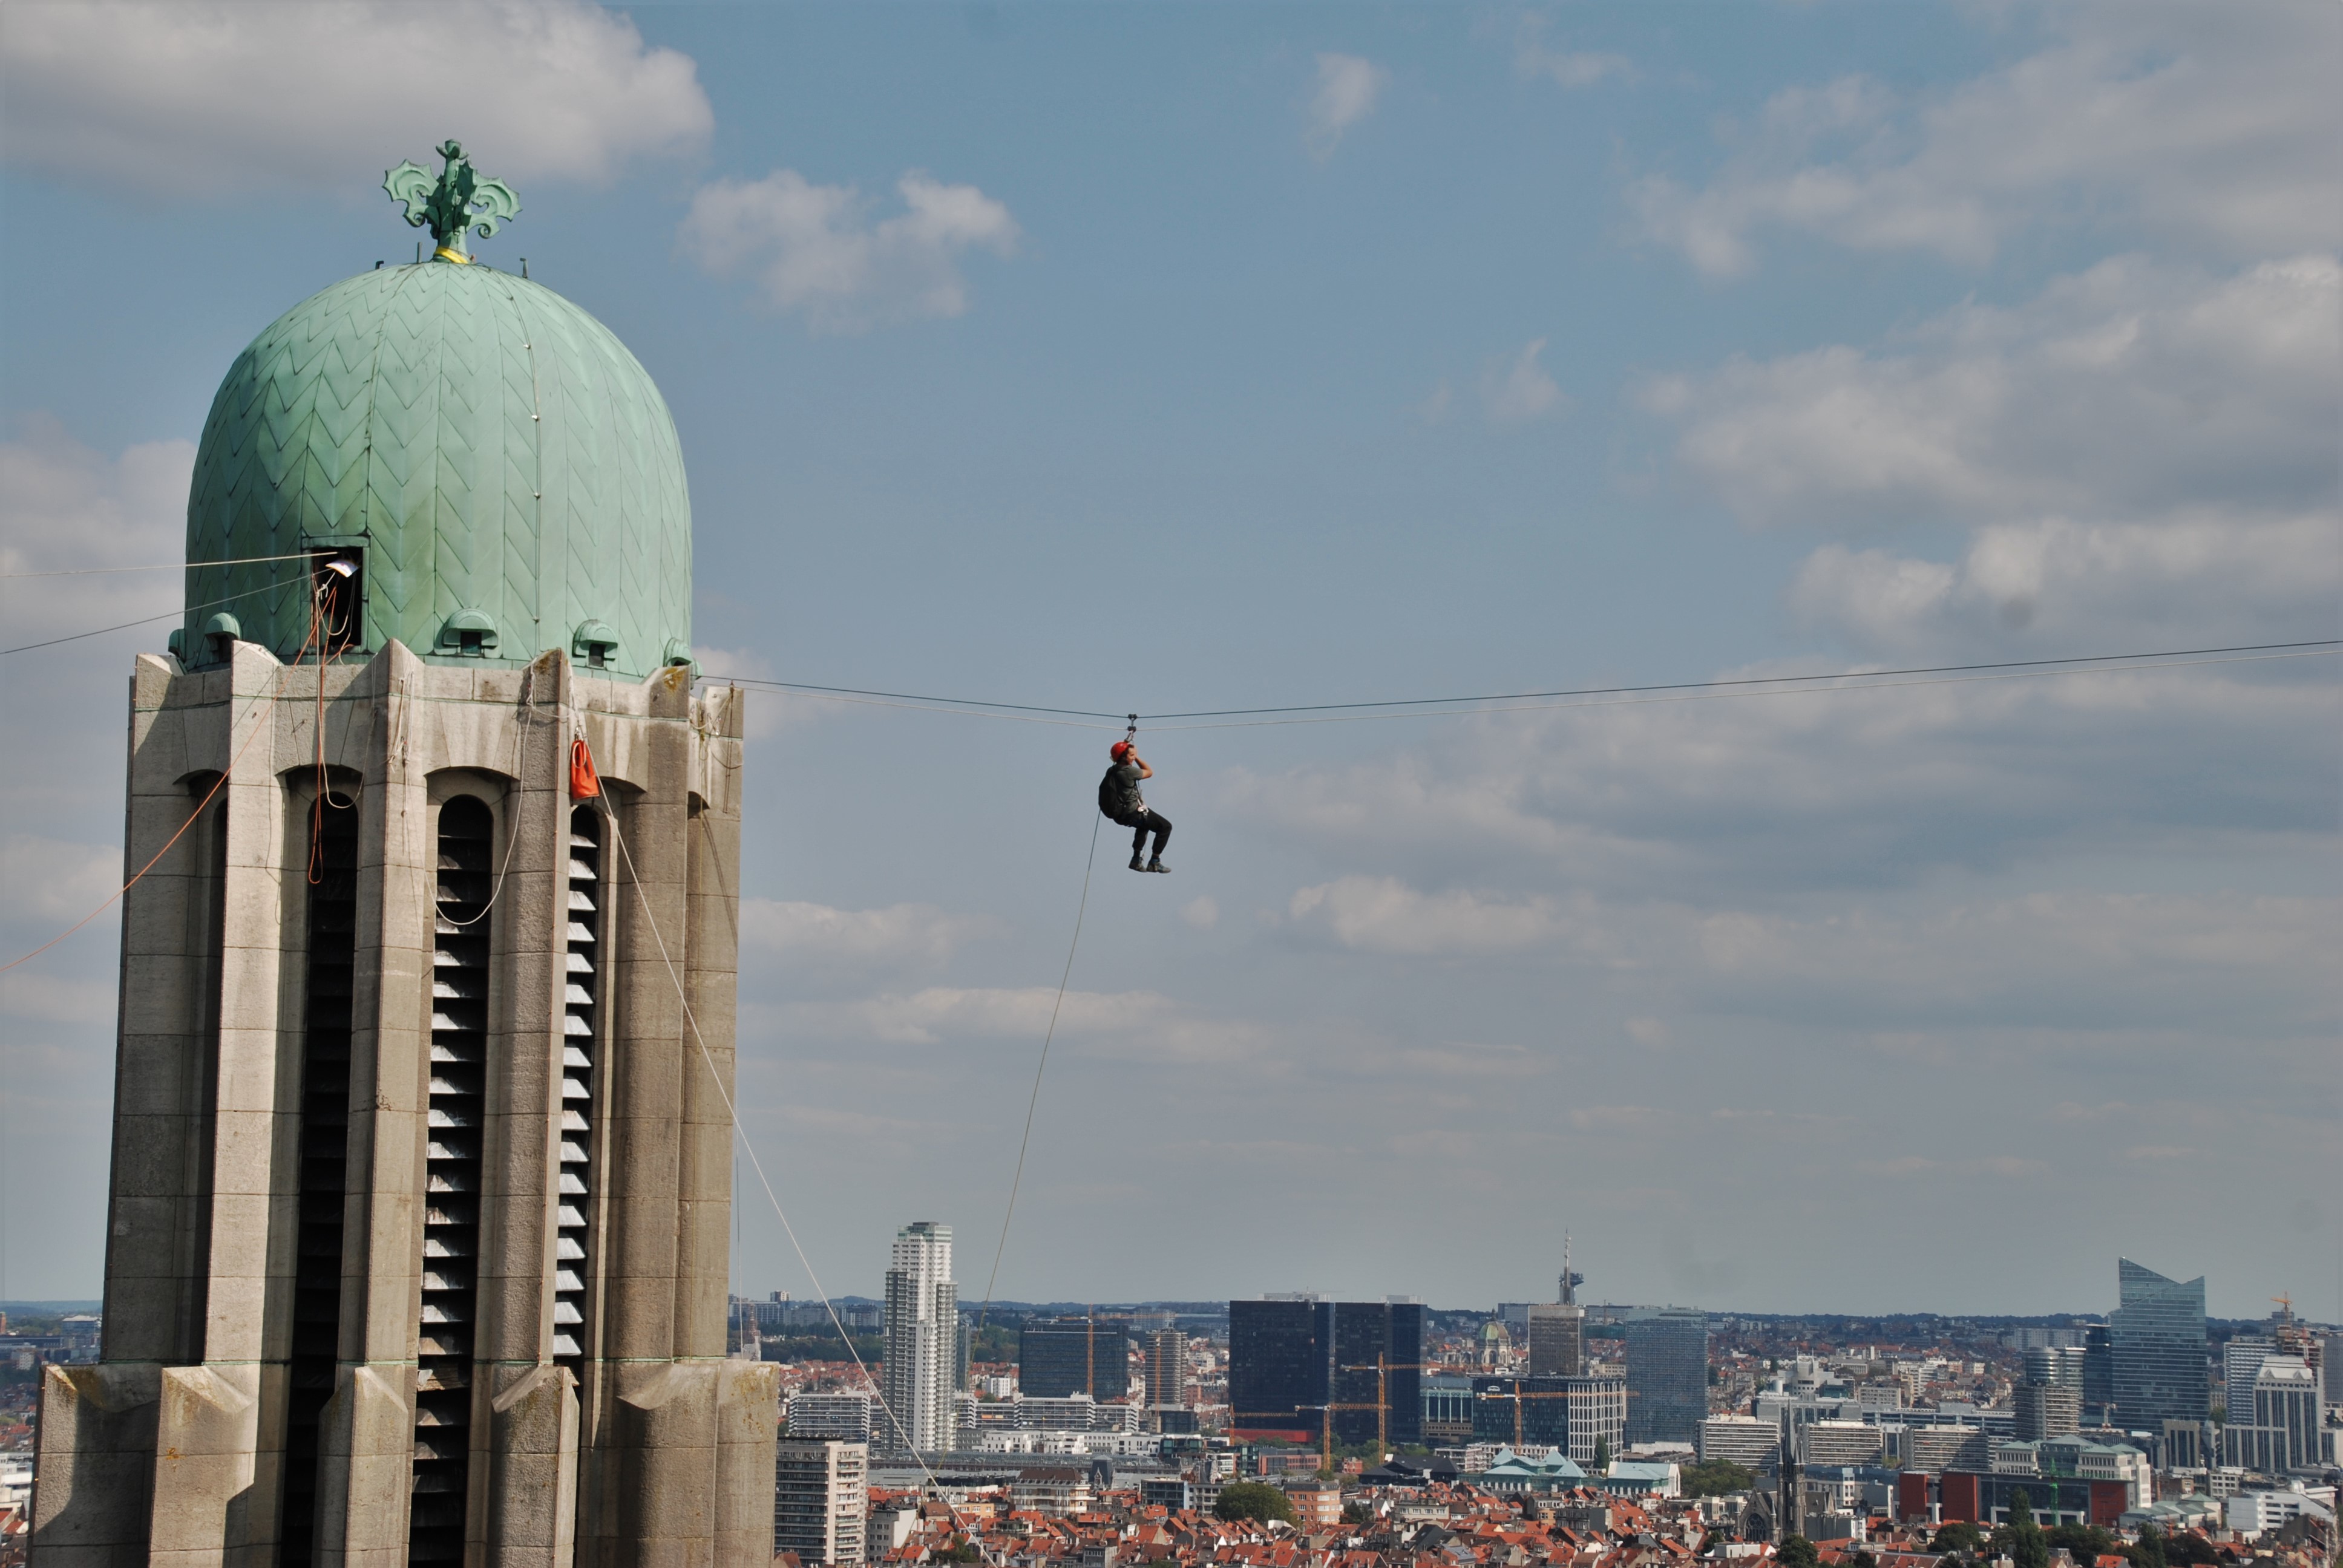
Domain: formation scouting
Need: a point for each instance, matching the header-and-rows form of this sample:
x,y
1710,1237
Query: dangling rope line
x,y
1035,1098
193,816
520,728
145,620
740,1138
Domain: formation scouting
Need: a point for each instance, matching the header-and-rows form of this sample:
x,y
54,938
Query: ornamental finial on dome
x,y
458,200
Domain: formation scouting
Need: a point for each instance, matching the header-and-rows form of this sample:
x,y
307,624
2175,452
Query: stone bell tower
x,y
418,1219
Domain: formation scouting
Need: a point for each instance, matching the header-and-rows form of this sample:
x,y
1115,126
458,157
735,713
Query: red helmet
x,y
1118,750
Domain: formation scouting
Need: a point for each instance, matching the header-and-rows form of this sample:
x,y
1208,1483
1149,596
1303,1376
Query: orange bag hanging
x,y
584,785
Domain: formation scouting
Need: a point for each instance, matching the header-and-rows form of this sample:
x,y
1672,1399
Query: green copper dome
x,y
498,470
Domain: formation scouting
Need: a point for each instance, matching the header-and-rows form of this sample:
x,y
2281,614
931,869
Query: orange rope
x,y
193,816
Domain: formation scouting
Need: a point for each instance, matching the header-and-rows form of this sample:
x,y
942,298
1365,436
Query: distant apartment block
x,y
1824,1443
2285,1433
821,1491
847,1417
1739,1439
1940,1448
2046,1410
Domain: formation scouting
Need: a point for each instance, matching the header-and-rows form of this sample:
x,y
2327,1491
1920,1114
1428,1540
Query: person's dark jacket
x,y
1119,796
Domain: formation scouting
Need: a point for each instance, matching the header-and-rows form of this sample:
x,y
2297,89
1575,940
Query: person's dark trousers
x,y
1141,825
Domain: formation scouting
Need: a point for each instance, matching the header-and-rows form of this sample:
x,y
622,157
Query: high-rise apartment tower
x,y
922,1340
418,1221
1167,1369
821,1493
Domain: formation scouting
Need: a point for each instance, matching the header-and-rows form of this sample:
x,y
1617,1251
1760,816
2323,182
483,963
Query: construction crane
x,y
1382,1370
1517,1396
1325,1423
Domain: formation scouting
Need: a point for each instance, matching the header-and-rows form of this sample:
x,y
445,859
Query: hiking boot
x,y
1153,865
1134,863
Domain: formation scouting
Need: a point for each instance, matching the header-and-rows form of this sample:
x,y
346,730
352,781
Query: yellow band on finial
x,y
443,253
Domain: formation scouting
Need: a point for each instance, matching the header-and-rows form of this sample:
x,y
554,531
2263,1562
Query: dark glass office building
x,y
1368,1335
2157,1340
2099,1373
1061,1357
1667,1373
1543,1404
1280,1360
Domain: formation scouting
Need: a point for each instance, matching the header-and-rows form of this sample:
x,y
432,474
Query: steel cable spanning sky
x,y
1531,701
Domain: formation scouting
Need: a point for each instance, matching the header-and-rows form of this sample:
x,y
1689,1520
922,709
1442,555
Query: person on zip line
x,y
1120,801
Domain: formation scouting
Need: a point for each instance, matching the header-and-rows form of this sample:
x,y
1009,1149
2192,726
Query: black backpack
x,y
1111,803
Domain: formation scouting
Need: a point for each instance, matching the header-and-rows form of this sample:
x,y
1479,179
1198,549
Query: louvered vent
x,y
580,1015
451,1223
325,1164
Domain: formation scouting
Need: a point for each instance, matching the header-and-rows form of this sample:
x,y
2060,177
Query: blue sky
x,y
1179,357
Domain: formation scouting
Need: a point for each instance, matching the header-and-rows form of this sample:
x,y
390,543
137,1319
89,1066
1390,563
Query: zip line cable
x,y
1427,707
913,697
1751,680
1607,697
1035,1098
157,567
1715,695
915,706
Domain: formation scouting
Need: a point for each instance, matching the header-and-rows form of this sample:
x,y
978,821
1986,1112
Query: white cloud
x,y
2135,447
2205,581
799,932
1203,913
56,880
1127,1025
49,998
817,249
2126,386
189,98
1516,388
1566,67
1348,90
2088,960
2213,127
1707,801
1384,915
63,507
